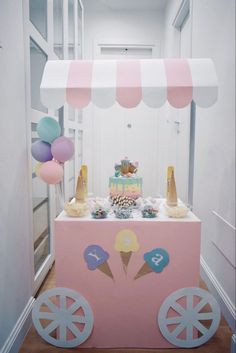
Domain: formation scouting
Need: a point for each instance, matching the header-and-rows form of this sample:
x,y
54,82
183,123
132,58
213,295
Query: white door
x,y
120,132
53,30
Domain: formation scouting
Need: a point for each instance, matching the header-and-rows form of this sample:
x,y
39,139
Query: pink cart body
x,y
125,310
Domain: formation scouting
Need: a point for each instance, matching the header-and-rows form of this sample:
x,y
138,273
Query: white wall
x,y
15,237
214,187
213,35
115,26
143,26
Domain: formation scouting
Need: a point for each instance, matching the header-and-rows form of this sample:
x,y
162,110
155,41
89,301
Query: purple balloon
x,y
62,149
41,151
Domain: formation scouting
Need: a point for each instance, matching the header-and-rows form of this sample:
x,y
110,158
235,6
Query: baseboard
x,y
17,335
226,305
233,343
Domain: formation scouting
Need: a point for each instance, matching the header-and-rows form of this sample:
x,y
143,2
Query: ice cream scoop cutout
x,y
126,243
96,258
155,261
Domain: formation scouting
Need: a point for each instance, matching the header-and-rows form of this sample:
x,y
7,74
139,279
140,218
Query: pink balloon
x,y
62,149
51,172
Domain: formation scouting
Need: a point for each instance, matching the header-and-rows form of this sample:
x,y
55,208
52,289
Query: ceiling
x,y
126,4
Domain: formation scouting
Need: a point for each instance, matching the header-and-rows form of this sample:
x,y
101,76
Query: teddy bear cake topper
x,y
126,168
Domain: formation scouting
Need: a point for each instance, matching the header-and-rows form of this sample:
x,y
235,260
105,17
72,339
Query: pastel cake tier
x,y
131,187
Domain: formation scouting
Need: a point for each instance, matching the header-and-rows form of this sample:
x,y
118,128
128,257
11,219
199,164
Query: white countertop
x,y
136,216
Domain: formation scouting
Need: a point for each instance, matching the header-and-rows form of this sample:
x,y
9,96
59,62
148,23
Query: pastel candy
x,y
95,256
157,259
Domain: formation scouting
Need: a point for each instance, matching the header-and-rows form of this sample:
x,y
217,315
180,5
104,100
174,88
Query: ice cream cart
x,y
137,278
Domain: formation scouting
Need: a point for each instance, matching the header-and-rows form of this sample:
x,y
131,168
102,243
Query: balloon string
x,y
61,196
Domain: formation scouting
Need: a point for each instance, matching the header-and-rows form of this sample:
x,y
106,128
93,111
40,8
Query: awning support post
x,y
191,154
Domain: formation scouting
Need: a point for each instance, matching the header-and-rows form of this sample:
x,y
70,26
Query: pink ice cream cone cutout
x,y
126,243
96,258
155,261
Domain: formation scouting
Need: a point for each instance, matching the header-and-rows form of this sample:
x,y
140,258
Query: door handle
x,y
177,124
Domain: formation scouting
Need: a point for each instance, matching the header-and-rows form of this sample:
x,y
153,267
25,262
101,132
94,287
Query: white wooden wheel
x,y
189,320
62,315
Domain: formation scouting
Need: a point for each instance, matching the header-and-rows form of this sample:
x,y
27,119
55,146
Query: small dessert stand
x,y
139,276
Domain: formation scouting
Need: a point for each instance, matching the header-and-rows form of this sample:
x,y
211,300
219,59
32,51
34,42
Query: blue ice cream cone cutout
x,y
96,258
155,261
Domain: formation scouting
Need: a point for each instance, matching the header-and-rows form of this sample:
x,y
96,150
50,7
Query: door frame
x,y
33,116
126,43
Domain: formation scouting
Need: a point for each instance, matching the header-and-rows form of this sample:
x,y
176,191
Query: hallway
x,y
71,70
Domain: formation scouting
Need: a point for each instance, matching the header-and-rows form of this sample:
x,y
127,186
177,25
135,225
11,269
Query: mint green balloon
x,y
48,129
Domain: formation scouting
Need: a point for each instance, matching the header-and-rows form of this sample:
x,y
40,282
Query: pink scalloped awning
x,y
153,81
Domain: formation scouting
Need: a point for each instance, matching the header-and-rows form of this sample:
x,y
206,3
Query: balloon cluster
x,y
51,150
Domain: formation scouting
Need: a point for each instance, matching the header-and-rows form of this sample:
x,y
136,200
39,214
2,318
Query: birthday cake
x,y
125,182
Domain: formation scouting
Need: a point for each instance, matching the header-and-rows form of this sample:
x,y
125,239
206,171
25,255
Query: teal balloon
x,y
48,129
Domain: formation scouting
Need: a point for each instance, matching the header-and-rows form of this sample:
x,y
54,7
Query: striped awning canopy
x,y
153,81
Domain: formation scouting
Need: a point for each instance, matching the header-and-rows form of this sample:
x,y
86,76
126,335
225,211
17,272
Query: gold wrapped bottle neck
x,y
171,197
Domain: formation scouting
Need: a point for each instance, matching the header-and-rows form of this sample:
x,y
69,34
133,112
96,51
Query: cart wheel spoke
x,y
51,327
178,308
200,327
62,302
189,332
178,330
74,307
205,316
189,318
75,330
62,331
63,318
189,304
79,319
47,316
174,320
51,305
200,305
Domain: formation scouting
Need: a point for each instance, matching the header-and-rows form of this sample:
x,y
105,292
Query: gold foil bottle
x,y
169,172
80,189
171,197
84,170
